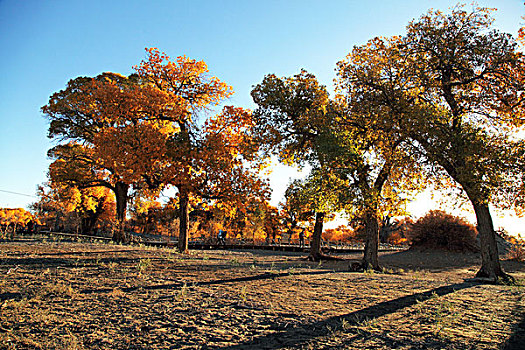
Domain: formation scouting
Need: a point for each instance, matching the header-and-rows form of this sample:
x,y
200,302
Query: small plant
x,y
56,290
235,262
117,292
69,341
445,313
370,323
143,265
369,271
507,281
345,325
182,295
243,293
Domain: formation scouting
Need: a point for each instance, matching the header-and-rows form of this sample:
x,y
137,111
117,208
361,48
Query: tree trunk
x,y
315,244
183,220
370,257
87,223
121,198
490,264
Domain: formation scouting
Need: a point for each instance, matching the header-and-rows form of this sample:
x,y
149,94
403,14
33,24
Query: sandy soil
x,y
64,295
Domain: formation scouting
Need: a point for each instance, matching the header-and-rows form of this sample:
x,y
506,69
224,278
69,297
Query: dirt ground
x,y
74,295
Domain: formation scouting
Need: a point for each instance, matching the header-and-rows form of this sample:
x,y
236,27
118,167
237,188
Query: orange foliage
x,y
14,219
142,131
342,234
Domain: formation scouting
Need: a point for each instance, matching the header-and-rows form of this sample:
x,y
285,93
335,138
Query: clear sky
x,y
44,44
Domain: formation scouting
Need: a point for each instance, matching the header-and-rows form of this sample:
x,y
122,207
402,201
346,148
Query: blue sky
x,y
43,44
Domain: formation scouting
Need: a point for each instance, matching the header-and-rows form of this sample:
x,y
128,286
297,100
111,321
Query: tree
x,y
98,120
320,194
294,212
369,148
79,209
472,79
14,218
353,155
77,166
149,216
456,87
292,116
142,131
272,222
216,161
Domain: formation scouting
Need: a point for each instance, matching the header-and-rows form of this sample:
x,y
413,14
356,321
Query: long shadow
x,y
264,276
63,262
300,334
94,252
517,339
177,285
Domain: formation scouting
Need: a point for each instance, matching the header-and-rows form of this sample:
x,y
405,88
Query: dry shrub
x,y
516,253
439,230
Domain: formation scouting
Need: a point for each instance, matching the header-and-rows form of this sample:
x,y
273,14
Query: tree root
x,y
360,266
501,278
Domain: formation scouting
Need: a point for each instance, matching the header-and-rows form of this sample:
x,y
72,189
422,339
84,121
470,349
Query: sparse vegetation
x,y
71,302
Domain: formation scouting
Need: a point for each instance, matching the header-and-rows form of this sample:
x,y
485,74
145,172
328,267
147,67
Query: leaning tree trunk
x,y
490,264
370,257
183,220
121,197
315,244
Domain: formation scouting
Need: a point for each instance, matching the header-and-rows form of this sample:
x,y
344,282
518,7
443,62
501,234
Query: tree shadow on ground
x,y
442,261
299,335
43,263
86,253
178,285
517,339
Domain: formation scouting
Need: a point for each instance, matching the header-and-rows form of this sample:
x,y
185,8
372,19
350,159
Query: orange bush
x,y
439,230
342,234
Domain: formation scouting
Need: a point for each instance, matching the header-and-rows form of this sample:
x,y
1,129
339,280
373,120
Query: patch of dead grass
x,y
93,296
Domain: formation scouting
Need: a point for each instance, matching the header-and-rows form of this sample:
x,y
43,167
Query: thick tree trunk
x,y
315,244
490,264
87,224
183,220
121,198
370,257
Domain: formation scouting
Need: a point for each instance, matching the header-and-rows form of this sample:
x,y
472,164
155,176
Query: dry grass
x,y
97,296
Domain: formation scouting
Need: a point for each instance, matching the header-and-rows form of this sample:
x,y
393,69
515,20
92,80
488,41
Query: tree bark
x,y
121,198
490,264
87,223
370,256
315,244
183,219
